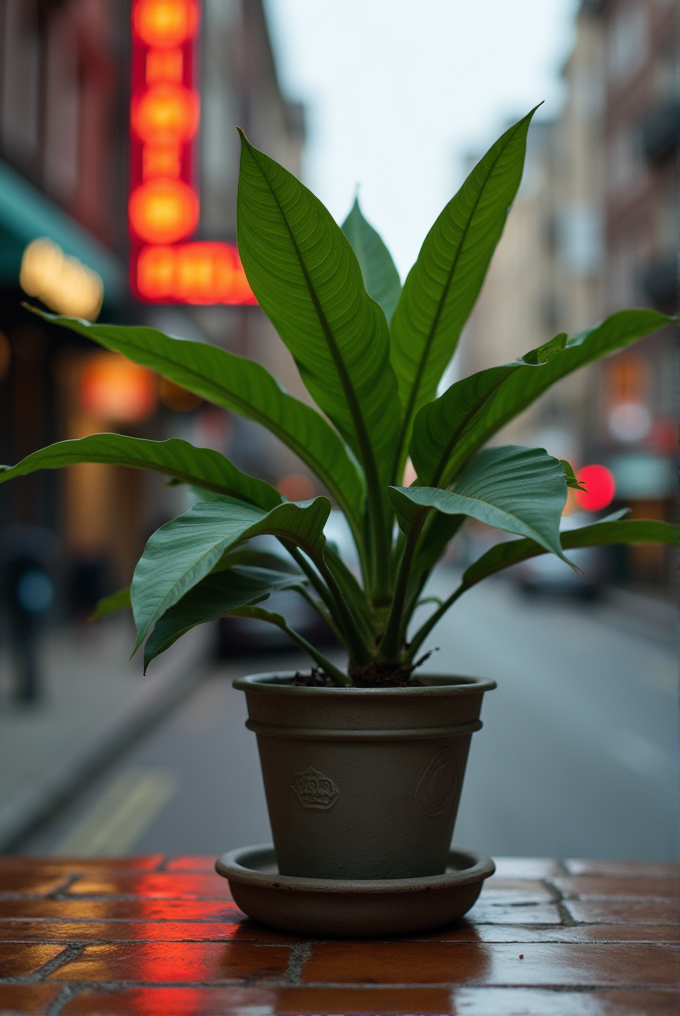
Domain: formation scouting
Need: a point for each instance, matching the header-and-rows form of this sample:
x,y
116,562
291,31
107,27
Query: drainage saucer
x,y
352,908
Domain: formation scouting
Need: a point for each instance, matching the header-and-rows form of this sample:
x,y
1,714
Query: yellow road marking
x,y
119,817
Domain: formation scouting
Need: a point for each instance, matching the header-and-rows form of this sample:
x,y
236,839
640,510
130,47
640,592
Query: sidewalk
x,y
95,703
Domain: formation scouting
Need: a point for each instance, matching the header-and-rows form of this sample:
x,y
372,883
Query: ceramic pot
x,y
363,783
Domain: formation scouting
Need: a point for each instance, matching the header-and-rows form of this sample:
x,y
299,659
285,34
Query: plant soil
x,y
374,676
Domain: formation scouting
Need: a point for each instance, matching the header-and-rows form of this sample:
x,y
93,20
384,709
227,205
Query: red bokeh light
x,y
163,211
600,488
165,113
165,23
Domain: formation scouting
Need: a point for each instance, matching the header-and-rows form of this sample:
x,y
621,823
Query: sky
x,y
399,92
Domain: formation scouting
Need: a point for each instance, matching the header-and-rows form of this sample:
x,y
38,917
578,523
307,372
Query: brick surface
x,y
140,931
19,882
156,935
19,959
464,932
528,867
516,891
161,885
190,863
123,910
588,887
497,913
33,998
622,869
165,962
623,912
557,964
67,865
371,1002
244,1001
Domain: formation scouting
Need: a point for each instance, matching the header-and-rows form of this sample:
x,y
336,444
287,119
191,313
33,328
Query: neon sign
x,y
166,266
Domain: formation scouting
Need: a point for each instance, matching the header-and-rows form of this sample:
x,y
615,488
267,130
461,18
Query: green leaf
x,y
201,466
111,604
526,384
518,490
214,595
438,425
443,285
570,476
308,282
185,550
607,531
381,277
243,386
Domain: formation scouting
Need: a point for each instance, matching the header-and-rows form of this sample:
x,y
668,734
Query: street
x,y
577,756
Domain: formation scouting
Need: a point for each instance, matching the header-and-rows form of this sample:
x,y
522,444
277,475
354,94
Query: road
x,y
577,757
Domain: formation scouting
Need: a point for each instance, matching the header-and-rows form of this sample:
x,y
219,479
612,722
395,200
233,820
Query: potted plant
x,y
362,764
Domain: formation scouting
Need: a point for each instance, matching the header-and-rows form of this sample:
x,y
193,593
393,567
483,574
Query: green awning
x,y
26,214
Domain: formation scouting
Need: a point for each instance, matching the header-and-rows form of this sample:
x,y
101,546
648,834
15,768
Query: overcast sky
x,y
397,92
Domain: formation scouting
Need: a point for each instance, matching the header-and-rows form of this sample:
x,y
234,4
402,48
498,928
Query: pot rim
x,y
270,683
229,866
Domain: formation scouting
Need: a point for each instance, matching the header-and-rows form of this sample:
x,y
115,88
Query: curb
x,y
156,697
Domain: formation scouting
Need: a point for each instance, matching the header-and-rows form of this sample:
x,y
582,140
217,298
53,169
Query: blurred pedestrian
x,y
26,562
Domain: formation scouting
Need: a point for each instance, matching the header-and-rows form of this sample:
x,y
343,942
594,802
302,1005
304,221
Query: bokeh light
x,y
112,388
165,23
163,211
600,488
165,113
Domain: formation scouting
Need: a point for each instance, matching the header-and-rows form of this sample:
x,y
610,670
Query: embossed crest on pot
x,y
314,790
439,785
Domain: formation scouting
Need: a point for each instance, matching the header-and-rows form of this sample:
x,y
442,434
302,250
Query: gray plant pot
x,y
363,783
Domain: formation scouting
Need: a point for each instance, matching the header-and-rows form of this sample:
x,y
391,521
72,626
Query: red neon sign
x,y
164,208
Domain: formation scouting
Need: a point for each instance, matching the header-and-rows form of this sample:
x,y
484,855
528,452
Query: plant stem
x,y
336,675
433,619
311,572
390,645
359,651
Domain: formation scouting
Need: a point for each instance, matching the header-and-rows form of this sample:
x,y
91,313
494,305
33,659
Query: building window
x,y
627,43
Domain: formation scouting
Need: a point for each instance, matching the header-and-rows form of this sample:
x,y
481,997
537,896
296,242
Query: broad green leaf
x,y
381,277
307,280
185,550
443,285
526,384
214,595
505,555
438,425
111,604
243,386
518,490
202,466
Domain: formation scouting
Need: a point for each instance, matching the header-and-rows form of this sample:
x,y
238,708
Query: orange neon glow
x,y
164,65
165,23
113,388
165,113
161,160
163,211
193,273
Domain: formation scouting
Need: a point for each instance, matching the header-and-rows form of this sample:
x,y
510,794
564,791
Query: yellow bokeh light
x,y
62,282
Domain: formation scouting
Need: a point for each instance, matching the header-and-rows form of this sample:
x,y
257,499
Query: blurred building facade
x,y
64,177
594,230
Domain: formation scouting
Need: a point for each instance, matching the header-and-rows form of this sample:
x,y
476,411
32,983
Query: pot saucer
x,y
353,908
